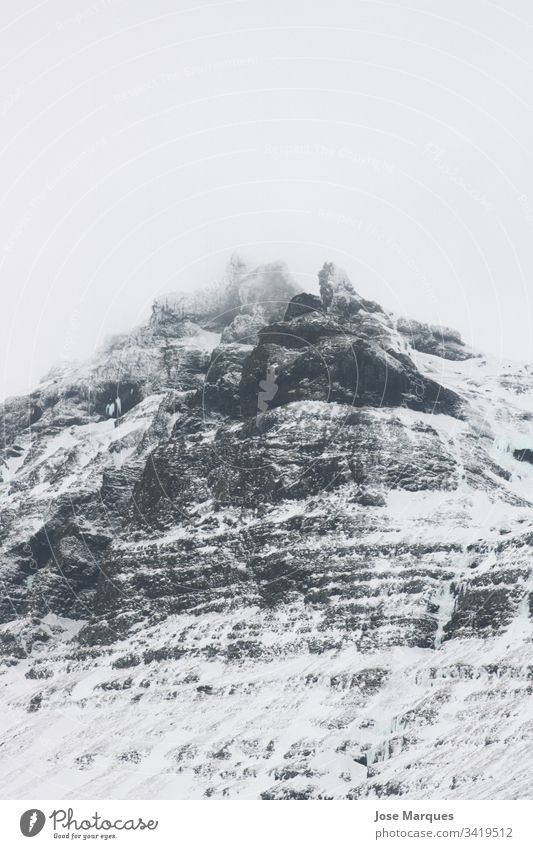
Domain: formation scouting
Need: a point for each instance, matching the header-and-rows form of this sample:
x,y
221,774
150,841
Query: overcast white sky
x,y
142,142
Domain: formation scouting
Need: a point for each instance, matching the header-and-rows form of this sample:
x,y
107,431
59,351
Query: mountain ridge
x,y
299,494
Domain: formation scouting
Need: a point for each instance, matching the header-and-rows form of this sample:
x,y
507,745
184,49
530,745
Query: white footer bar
x,y
254,825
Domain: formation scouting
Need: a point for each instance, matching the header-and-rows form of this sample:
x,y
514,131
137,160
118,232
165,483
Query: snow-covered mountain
x,y
270,544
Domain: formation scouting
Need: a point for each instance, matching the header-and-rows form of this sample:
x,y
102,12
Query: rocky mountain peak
x,y
336,290
211,303
269,503
265,290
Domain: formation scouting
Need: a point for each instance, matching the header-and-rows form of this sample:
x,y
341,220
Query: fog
x,y
142,143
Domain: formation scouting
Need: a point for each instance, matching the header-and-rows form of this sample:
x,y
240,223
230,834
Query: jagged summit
x,y
336,291
266,288
233,310
208,302
339,297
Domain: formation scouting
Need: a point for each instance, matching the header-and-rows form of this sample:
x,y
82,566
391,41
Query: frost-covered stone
x,y
434,339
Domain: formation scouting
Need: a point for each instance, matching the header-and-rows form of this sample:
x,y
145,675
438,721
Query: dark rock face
x,y
221,388
17,415
292,520
355,363
76,470
434,339
302,305
128,392
525,455
483,608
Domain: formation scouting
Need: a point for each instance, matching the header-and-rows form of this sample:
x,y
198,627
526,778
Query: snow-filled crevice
x,y
446,604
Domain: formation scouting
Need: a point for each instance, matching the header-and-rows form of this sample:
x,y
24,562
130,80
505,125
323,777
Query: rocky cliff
x,y
270,544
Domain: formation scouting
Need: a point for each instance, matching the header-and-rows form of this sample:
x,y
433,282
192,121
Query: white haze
x,y
143,142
